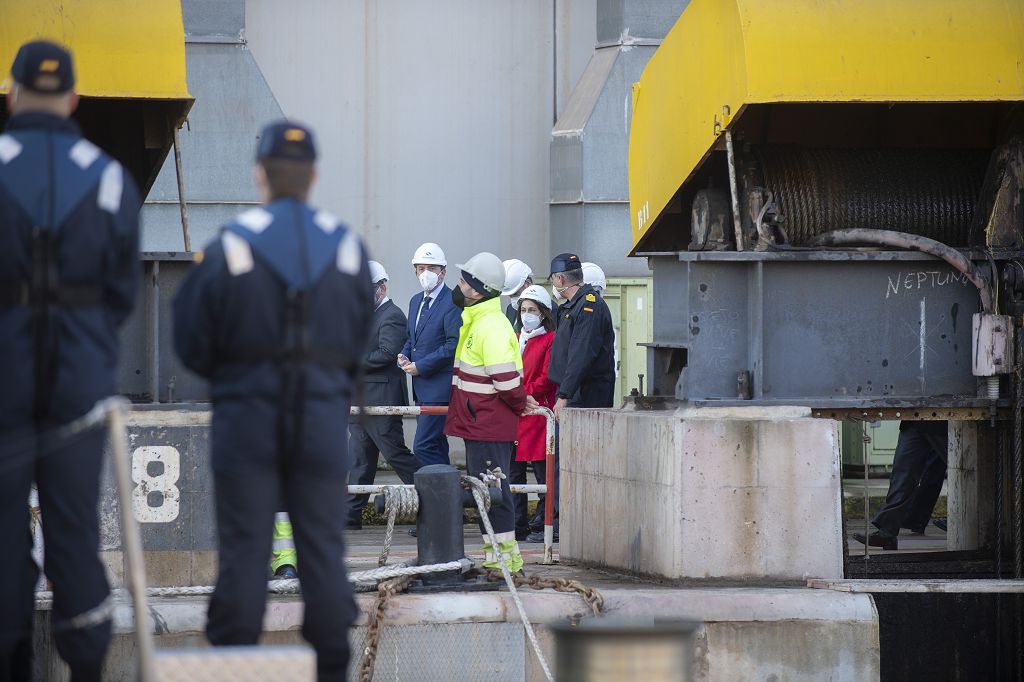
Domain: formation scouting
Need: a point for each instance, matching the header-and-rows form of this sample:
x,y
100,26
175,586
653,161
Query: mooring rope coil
x,y
397,502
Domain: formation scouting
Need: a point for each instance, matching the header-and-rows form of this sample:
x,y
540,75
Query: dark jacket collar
x,y
38,120
580,295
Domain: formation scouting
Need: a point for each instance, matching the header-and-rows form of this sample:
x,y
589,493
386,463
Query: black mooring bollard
x,y
439,521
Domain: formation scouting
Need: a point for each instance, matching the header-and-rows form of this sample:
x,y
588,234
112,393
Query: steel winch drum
x,y
928,192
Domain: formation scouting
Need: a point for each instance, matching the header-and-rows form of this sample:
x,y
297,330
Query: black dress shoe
x,y
878,539
412,532
940,524
539,537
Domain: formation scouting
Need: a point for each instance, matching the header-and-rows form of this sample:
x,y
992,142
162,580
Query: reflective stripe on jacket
x,y
487,390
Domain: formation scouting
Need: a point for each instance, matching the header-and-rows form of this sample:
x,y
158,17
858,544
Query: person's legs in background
x,y
389,436
482,455
927,494
517,475
430,445
538,535
365,457
916,446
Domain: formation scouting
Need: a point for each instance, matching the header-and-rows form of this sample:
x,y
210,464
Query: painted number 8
x,y
155,470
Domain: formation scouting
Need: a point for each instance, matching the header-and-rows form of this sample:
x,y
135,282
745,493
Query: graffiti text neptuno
x,y
922,279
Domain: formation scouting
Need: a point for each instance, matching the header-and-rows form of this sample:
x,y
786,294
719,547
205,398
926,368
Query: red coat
x,y
532,438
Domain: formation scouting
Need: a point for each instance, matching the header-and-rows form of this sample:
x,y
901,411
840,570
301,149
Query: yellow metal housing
x,y
725,58
129,66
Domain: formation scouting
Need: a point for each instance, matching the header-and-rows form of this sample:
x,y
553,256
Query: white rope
x,y
480,494
290,586
397,502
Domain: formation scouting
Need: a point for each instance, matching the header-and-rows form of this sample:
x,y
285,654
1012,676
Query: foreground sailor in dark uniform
x,y
276,316
69,270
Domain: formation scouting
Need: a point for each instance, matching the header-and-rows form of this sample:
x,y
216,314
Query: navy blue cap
x,y
286,140
44,67
565,262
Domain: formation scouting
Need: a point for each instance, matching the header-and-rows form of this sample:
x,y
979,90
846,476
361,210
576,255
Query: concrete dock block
x,y
750,493
748,633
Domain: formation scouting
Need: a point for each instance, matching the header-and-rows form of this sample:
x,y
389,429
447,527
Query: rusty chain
x,y
593,598
385,591
389,588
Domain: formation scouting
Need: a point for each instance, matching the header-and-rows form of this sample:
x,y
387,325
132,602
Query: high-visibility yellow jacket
x,y
487,389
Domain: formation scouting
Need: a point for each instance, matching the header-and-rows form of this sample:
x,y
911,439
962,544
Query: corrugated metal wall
x,y
589,143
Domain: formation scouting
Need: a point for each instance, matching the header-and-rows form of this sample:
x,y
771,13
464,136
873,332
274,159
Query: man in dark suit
x,y
429,352
384,384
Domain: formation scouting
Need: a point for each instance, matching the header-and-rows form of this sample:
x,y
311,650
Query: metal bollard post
x,y
439,521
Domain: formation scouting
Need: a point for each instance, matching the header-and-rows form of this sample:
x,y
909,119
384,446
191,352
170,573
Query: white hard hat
x,y
536,293
487,268
377,272
594,275
516,274
429,254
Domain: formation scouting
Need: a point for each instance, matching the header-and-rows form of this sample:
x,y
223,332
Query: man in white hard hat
x,y
433,333
488,395
384,383
518,276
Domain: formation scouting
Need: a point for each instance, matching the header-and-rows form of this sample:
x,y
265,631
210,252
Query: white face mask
x,y
556,294
514,302
428,280
530,322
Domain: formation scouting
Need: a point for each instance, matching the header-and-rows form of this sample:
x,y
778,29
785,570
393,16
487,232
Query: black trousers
x,y
368,440
917,471
254,478
926,495
518,475
67,474
483,455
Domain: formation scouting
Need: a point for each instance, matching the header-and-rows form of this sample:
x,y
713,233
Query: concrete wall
x,y
748,493
433,118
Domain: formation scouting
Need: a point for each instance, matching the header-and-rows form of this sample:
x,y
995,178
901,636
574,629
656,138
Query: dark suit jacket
x,y
432,346
384,379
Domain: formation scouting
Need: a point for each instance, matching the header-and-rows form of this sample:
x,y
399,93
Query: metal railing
x,y
549,463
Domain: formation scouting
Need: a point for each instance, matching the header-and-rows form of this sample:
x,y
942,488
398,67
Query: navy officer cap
x,y
286,140
565,262
43,66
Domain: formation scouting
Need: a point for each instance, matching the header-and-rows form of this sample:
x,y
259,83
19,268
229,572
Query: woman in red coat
x,y
538,325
